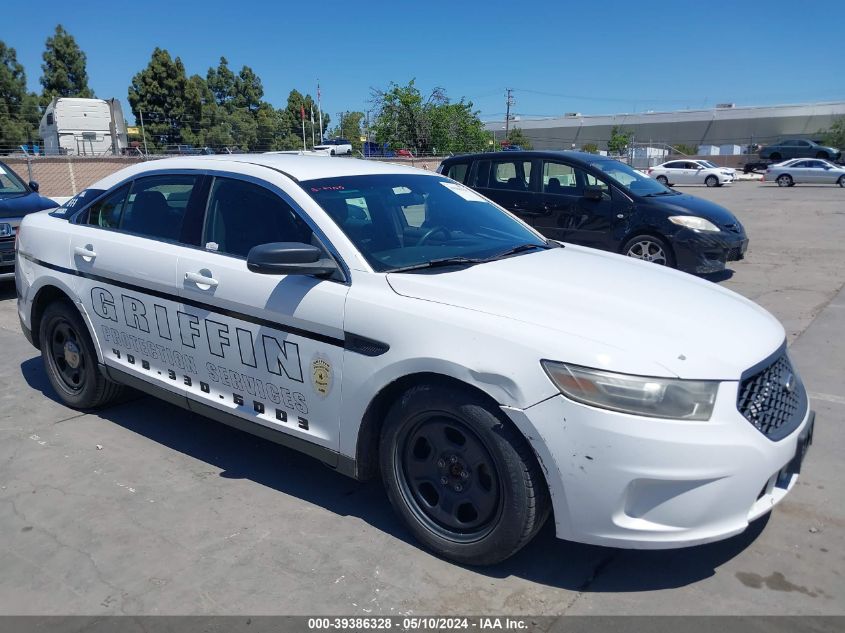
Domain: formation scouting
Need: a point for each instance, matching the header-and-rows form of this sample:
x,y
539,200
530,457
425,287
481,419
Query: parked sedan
x,y
799,170
798,148
692,172
17,199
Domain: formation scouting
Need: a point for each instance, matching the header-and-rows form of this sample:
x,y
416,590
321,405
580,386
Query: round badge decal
x,y
321,375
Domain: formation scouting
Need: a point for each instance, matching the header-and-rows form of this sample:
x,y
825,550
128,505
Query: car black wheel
x,y
841,181
460,475
332,152
663,180
711,181
821,155
775,157
649,248
71,361
784,180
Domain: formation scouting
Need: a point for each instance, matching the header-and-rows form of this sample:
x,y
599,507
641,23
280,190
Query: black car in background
x,y
798,148
17,199
595,201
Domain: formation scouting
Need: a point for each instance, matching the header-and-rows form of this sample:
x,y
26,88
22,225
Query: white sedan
x,y
692,172
805,171
391,322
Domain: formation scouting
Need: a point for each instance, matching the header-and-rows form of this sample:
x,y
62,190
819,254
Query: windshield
x,y
10,184
631,180
407,220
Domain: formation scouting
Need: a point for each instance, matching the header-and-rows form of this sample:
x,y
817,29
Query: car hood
x,y
685,204
19,205
604,310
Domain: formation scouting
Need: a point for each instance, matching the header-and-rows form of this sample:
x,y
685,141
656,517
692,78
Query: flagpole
x,y
319,112
302,116
312,124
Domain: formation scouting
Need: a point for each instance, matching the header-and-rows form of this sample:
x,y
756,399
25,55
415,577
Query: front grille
x,y
735,254
773,399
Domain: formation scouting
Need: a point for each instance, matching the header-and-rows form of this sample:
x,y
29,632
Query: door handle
x,y
201,280
85,252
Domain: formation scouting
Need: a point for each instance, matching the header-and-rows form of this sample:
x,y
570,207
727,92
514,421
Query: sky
x,y
586,56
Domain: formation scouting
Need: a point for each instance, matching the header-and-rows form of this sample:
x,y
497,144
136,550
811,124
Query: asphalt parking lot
x,y
146,509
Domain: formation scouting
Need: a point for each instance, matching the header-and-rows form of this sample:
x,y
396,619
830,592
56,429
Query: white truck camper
x,y
83,127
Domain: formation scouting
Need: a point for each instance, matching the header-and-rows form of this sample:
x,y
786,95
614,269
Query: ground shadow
x,y
7,289
545,560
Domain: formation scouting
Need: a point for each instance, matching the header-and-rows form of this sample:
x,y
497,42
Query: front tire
x,y
71,360
841,181
711,181
649,248
663,180
784,180
460,475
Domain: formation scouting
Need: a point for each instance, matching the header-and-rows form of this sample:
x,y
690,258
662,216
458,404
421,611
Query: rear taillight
x,y
649,172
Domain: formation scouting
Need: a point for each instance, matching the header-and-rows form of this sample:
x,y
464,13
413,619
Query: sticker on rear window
x,y
463,192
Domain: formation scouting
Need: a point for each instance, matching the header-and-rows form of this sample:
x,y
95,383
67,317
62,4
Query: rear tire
x,y
71,360
461,477
711,181
841,181
784,180
663,180
775,158
822,155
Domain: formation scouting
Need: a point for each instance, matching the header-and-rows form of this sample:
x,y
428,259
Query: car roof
x,y
582,158
297,167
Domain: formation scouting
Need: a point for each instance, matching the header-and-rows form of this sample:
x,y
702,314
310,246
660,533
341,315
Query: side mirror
x,y
289,258
593,192
33,185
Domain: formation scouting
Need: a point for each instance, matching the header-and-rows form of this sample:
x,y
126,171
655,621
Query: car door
x,y
269,347
561,195
124,249
801,172
817,174
510,182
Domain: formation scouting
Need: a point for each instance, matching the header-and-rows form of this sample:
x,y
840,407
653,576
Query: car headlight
x,y
638,395
693,222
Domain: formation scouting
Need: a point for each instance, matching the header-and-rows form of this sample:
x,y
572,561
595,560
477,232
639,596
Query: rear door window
x,y
511,175
559,178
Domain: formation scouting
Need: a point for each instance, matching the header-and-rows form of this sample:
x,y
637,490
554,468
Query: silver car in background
x,y
813,171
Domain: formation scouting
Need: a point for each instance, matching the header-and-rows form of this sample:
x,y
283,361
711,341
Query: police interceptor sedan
x,y
390,321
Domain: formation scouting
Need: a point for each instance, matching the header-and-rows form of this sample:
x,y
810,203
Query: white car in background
x,y
692,172
814,171
335,147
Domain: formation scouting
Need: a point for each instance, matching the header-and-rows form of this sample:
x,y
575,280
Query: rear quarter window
x,y
458,171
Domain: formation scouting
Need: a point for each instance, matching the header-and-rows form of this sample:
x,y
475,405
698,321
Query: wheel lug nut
x,y
464,474
441,463
453,459
444,480
458,487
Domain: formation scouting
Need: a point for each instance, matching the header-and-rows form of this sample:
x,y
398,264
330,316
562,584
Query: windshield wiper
x,y
660,193
436,263
519,248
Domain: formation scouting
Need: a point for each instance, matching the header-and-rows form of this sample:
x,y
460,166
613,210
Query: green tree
x,y
221,82
19,115
619,140
835,134
160,92
517,137
64,73
248,90
350,128
407,119
590,148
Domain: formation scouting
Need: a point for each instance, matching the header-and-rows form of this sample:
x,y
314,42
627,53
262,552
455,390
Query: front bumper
x,y
702,252
7,259
645,483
